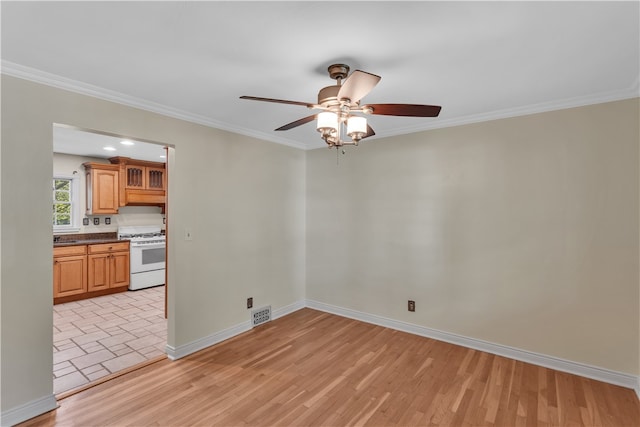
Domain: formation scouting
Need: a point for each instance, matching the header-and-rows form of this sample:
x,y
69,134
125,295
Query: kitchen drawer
x,y
70,250
108,247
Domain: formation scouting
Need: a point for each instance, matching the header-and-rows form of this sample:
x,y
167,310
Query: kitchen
x,y
109,255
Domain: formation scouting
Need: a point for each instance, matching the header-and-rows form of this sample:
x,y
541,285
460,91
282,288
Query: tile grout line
x,y
87,349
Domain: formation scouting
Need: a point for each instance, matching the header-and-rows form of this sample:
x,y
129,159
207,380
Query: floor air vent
x,y
260,315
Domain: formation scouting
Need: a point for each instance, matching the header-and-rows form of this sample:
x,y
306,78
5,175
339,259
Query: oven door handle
x,y
149,246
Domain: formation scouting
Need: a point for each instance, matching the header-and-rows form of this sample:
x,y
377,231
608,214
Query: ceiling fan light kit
x,y
341,109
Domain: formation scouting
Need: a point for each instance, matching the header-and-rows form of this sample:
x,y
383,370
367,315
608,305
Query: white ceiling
x,y
69,140
192,60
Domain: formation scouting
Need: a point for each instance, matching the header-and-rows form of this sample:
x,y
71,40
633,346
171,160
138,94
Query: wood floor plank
x,y
316,369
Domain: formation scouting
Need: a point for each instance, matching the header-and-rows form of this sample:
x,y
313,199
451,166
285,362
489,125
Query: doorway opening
x,y
108,191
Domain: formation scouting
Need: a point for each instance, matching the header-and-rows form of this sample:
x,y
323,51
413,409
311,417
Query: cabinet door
x,y
155,178
135,177
119,271
98,277
69,275
105,197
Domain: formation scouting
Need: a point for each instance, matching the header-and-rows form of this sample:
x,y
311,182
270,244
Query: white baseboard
x,y
39,406
287,309
28,410
593,372
181,351
588,371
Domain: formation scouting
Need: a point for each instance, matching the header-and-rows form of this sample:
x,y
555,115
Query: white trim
x,y
576,368
593,372
181,351
287,309
75,204
561,104
53,80
49,79
28,410
175,353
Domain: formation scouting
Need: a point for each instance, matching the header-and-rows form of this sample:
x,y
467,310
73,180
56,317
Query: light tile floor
x,y
99,336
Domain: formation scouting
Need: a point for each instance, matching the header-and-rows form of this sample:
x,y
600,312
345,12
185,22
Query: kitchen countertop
x,y
85,239
86,242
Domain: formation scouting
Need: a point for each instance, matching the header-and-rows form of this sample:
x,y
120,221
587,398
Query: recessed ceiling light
x,y
163,156
109,148
126,142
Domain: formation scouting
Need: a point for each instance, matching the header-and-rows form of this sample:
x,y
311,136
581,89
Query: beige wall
x,y
242,198
70,165
521,232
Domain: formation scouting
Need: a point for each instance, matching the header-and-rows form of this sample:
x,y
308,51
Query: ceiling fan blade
x,y
409,110
298,122
357,85
369,133
279,101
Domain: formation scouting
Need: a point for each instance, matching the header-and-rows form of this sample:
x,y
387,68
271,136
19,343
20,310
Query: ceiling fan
x,y
340,106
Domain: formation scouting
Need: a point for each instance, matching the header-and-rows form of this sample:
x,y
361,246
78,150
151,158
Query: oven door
x,y
147,257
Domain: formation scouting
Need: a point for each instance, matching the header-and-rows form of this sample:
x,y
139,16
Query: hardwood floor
x,y
316,369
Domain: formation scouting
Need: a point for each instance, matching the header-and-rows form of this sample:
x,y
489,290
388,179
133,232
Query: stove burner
x,y
141,236
141,233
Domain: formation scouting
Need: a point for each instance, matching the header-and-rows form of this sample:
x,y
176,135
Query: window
x,y
65,204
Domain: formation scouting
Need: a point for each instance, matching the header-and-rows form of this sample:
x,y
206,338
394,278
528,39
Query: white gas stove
x,y
147,255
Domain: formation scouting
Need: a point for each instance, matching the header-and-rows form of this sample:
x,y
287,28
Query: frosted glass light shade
x,y
356,125
327,120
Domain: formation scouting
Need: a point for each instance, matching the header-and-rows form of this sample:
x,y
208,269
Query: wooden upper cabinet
x,y
143,182
144,177
135,177
156,178
103,189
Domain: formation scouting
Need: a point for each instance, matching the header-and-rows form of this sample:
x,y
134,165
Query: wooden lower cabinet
x,y
108,270
101,269
69,275
98,272
120,270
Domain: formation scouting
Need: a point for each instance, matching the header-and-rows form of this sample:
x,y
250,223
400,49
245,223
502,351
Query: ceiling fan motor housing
x,y
329,96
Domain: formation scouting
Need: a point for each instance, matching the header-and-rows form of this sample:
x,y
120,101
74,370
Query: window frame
x,y
74,227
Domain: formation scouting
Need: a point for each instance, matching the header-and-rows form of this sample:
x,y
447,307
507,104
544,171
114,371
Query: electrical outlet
x,y
412,305
96,221
249,302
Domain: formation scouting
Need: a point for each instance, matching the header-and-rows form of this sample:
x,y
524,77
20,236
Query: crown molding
x,y
632,91
49,79
54,80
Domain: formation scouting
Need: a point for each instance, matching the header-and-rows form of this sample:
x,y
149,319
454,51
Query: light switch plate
x,y
188,234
